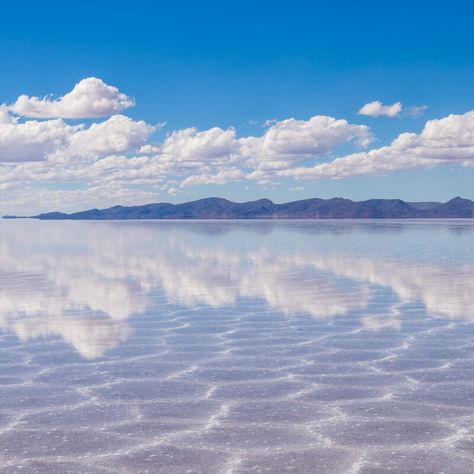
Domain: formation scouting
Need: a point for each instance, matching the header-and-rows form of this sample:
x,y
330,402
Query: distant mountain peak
x,y
458,199
263,201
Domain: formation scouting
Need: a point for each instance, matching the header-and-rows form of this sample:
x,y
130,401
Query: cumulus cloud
x,y
296,140
192,145
32,140
90,97
442,141
35,140
376,109
118,134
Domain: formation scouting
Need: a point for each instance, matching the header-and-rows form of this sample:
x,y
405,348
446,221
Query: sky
x,y
105,103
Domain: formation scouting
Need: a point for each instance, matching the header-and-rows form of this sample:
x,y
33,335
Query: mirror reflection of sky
x,y
86,282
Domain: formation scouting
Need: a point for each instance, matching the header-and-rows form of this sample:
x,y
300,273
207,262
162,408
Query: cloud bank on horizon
x,y
49,162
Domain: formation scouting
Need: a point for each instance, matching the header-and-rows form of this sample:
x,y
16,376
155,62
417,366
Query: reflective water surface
x,y
232,347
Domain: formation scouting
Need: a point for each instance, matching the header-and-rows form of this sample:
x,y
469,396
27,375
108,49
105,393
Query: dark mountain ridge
x,y
315,208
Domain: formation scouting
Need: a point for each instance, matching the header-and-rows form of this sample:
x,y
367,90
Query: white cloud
x,y
34,140
294,140
90,97
442,141
192,145
376,109
118,134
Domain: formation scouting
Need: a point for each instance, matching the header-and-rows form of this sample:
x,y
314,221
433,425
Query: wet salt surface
x,y
234,347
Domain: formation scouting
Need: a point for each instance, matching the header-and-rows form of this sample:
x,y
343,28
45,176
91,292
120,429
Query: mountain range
x,y
336,208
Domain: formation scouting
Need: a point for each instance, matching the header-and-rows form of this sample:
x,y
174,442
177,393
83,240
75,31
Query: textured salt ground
x,y
325,412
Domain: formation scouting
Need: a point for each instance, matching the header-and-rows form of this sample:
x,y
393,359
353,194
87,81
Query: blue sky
x,y
233,74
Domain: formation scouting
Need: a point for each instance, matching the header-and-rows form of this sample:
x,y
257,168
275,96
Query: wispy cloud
x,y
415,111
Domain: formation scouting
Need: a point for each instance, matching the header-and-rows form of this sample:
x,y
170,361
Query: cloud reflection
x,y
83,281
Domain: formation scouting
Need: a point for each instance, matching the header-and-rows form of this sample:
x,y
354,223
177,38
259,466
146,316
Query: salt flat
x,y
252,346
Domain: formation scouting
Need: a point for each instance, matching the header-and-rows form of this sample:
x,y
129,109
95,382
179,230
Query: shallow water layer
x,y
234,347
